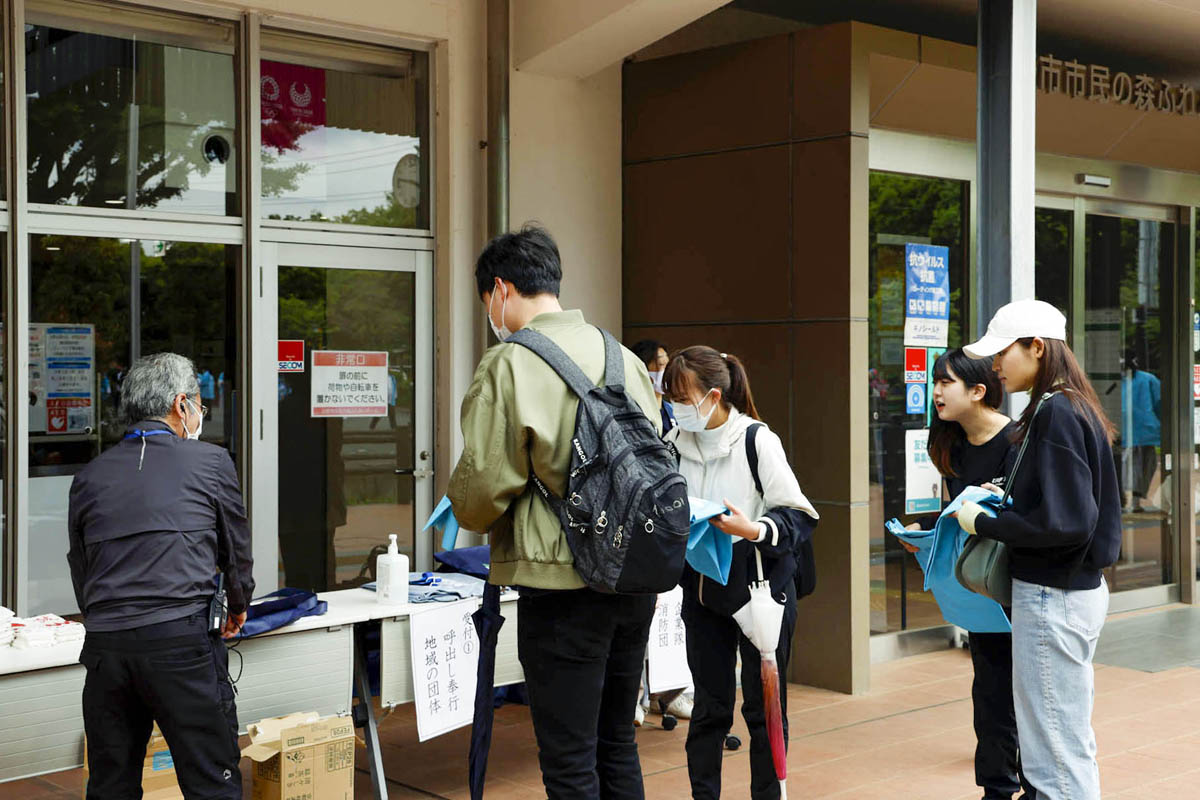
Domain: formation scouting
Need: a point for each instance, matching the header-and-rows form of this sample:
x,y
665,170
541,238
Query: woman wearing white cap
x,y
1062,529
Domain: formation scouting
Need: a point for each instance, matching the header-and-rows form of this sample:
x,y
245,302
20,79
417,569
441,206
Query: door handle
x,y
416,473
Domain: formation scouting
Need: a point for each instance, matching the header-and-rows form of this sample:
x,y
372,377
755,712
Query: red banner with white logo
x,y
293,102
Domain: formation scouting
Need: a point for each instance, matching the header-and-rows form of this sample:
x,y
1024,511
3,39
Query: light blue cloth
x,y
451,586
443,519
938,553
709,550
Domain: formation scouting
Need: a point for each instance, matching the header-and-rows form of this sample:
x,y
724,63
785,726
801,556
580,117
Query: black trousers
x,y
582,653
174,673
713,642
997,761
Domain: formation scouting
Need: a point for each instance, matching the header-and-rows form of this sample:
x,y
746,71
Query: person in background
x,y
208,388
714,408
654,356
970,442
652,353
151,523
1141,427
1062,530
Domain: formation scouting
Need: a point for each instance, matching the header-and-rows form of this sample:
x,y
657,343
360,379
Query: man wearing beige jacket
x,y
581,650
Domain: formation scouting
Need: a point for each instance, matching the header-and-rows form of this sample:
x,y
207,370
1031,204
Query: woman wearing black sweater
x,y
1062,530
970,442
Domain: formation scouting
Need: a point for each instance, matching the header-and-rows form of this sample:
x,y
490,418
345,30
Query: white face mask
x,y
656,378
199,426
501,331
688,416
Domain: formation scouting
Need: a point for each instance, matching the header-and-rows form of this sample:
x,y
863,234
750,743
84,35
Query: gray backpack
x,y
626,514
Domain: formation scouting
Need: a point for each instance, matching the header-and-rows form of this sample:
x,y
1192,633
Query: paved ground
x,y
910,738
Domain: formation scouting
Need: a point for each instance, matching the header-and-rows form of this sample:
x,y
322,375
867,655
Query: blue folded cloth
x,y
709,550
938,554
443,519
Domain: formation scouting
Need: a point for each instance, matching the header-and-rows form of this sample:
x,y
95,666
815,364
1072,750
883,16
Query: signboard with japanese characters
x,y
1099,84
349,383
62,378
922,481
926,295
445,654
667,647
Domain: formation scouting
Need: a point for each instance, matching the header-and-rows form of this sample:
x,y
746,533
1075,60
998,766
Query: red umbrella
x,y
761,620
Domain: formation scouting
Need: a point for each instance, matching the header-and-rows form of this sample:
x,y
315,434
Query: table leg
x,y
364,717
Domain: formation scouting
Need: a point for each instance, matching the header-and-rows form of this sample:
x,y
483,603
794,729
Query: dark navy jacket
x,y
146,544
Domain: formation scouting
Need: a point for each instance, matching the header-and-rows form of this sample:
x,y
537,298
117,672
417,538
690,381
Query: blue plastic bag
x,y
443,519
709,550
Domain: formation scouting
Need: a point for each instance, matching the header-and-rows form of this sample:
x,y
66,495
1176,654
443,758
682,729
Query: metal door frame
x,y
265,422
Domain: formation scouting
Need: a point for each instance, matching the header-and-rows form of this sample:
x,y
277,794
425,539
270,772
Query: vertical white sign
x,y
445,655
922,481
667,647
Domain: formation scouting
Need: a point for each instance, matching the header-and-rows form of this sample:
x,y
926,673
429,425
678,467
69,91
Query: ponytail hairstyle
x,y
1059,369
709,370
943,434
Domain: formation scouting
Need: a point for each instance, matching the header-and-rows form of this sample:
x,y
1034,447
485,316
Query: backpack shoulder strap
x,y
614,363
752,454
553,355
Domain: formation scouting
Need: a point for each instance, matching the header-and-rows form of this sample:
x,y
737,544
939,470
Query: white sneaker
x,y
639,715
680,707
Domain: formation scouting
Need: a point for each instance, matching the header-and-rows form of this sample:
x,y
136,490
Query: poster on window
x,y
62,378
293,103
349,383
926,295
922,481
667,646
445,655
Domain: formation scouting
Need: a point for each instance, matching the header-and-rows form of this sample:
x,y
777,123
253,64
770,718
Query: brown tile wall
x,y
744,193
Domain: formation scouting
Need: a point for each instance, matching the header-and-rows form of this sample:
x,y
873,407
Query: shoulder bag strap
x,y
1024,444
752,454
614,362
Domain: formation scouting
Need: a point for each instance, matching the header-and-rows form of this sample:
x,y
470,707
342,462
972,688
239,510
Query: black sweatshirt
x,y
975,465
1064,526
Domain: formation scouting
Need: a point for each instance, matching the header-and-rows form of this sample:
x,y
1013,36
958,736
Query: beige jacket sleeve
x,y
494,467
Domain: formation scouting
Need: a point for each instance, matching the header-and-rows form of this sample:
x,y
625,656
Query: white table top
x,y
346,607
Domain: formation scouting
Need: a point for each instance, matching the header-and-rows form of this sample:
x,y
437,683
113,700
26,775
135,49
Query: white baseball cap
x,y
1021,319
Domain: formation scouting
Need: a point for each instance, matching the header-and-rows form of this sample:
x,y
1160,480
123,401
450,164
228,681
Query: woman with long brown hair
x,y
1062,529
717,419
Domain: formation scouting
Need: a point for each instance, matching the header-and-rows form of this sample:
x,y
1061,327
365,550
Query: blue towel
x,y
443,519
709,551
938,554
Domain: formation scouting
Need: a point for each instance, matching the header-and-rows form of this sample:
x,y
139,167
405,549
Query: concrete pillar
x,y
1007,51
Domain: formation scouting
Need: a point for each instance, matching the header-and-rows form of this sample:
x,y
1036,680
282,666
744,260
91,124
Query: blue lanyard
x,y
138,433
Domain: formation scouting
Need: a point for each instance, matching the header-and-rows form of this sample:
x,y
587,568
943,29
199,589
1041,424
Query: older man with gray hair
x,y
158,540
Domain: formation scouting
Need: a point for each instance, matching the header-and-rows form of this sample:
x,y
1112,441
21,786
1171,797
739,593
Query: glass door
x,y
1129,291
352,417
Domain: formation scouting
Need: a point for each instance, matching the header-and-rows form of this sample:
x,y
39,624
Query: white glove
x,y
967,513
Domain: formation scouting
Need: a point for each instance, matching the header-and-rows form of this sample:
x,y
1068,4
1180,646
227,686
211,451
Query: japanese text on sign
x,y
926,295
349,383
922,481
1097,83
667,647
445,654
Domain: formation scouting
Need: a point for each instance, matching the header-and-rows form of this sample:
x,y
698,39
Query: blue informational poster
x,y
914,398
926,295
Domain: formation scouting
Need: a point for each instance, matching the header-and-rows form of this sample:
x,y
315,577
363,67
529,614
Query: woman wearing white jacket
x,y
714,409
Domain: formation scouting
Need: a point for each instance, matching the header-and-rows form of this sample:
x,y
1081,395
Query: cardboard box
x,y
302,757
158,771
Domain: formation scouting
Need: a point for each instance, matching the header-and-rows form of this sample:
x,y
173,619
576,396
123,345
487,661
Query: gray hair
x,y
152,384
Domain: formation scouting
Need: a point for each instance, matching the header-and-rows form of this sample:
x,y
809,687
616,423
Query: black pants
x,y
997,762
173,673
582,653
713,642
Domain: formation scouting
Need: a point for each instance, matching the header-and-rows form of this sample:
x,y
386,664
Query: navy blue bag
x,y
280,608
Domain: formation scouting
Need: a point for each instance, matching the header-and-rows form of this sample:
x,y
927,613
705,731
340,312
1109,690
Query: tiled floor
x,y
910,738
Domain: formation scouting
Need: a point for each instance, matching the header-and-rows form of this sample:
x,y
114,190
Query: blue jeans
x,y
1054,639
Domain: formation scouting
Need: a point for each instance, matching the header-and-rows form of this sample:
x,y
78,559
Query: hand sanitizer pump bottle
x,y
391,575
